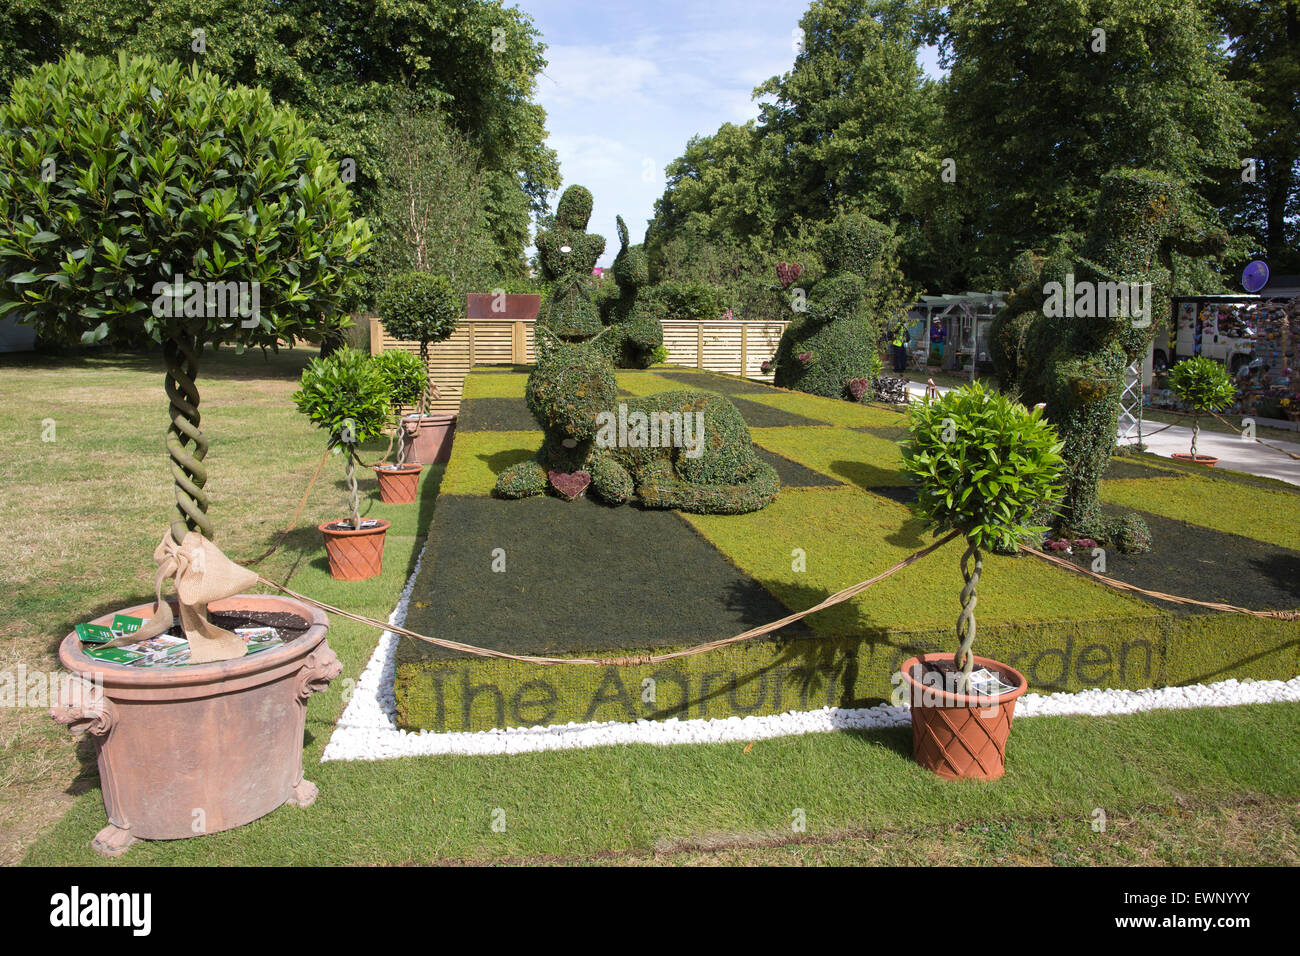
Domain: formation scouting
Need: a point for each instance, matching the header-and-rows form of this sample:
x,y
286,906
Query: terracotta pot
x,y
398,486
428,439
961,736
185,751
355,555
1207,460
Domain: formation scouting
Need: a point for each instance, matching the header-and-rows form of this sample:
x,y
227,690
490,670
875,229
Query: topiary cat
x,y
632,332
685,450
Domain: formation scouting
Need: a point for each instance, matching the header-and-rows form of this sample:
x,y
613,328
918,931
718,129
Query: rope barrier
x,y
837,598
1160,595
1242,431
293,522
1239,431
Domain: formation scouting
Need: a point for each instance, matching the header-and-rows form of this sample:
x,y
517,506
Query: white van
x,y
1218,327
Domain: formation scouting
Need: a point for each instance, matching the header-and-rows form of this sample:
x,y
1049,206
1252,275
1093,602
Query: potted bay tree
x,y
404,381
347,397
1205,386
422,307
985,466
143,201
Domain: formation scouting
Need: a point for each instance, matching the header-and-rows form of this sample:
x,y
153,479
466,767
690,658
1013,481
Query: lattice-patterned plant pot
x,y
195,749
355,555
959,736
398,485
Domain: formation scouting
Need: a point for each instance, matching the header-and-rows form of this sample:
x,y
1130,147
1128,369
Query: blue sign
x,y
1255,276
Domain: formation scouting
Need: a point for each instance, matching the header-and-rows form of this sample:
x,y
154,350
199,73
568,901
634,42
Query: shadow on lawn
x,y
866,476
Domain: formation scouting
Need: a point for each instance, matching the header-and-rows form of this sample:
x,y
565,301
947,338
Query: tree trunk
x,y
965,657
186,444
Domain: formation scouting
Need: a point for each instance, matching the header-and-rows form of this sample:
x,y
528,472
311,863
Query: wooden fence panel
x,y
734,348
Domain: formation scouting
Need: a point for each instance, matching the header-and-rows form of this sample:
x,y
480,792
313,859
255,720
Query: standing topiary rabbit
x,y
632,332
685,450
567,255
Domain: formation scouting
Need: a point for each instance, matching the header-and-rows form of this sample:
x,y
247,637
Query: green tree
x,y
1039,105
345,64
1264,43
151,200
432,203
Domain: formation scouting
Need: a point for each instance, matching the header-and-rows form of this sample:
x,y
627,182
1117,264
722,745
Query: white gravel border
x,y
368,728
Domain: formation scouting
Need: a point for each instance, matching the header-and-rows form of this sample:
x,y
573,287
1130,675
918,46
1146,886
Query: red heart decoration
x,y
569,484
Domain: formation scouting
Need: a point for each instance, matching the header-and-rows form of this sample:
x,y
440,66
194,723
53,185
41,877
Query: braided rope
x,y
186,444
631,661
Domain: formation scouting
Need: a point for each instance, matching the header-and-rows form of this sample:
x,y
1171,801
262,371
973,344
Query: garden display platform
x,y
556,578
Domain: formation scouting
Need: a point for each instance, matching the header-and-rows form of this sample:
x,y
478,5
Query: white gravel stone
x,y
368,728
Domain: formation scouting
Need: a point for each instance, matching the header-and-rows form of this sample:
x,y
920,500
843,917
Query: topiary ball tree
x,y
405,380
420,307
347,396
1205,386
146,199
834,341
985,466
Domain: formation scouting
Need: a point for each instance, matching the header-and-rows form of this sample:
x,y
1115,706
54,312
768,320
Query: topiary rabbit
x,y
632,332
567,255
681,449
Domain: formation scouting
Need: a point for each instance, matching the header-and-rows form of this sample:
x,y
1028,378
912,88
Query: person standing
x,y
899,346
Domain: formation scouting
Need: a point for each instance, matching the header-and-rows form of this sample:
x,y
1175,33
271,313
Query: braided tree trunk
x,y
965,659
354,500
186,444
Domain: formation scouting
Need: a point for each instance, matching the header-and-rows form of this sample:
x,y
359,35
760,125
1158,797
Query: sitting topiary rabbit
x,y
632,332
685,450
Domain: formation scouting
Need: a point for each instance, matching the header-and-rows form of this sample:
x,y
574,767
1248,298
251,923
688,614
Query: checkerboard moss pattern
x,y
622,588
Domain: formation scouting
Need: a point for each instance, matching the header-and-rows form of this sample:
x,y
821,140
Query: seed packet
x,y
95,633
157,649
984,681
124,624
113,655
259,638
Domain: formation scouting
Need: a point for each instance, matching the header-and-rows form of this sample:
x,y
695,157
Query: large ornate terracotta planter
x,y
428,439
185,751
355,555
960,736
398,485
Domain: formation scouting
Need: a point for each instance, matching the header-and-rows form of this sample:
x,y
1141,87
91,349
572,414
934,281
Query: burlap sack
x,y
202,574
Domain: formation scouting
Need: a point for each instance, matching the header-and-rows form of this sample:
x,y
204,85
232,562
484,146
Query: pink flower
x,y
804,357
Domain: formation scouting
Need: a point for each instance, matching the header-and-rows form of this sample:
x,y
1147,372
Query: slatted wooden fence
x,y
732,347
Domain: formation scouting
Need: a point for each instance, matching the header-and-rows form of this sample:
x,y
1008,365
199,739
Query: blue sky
x,y
629,83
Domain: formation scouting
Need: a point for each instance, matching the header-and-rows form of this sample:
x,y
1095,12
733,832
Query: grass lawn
x,y
1204,786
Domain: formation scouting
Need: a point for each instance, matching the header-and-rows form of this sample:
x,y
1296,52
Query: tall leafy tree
x,y
853,126
1043,99
344,64
1263,200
